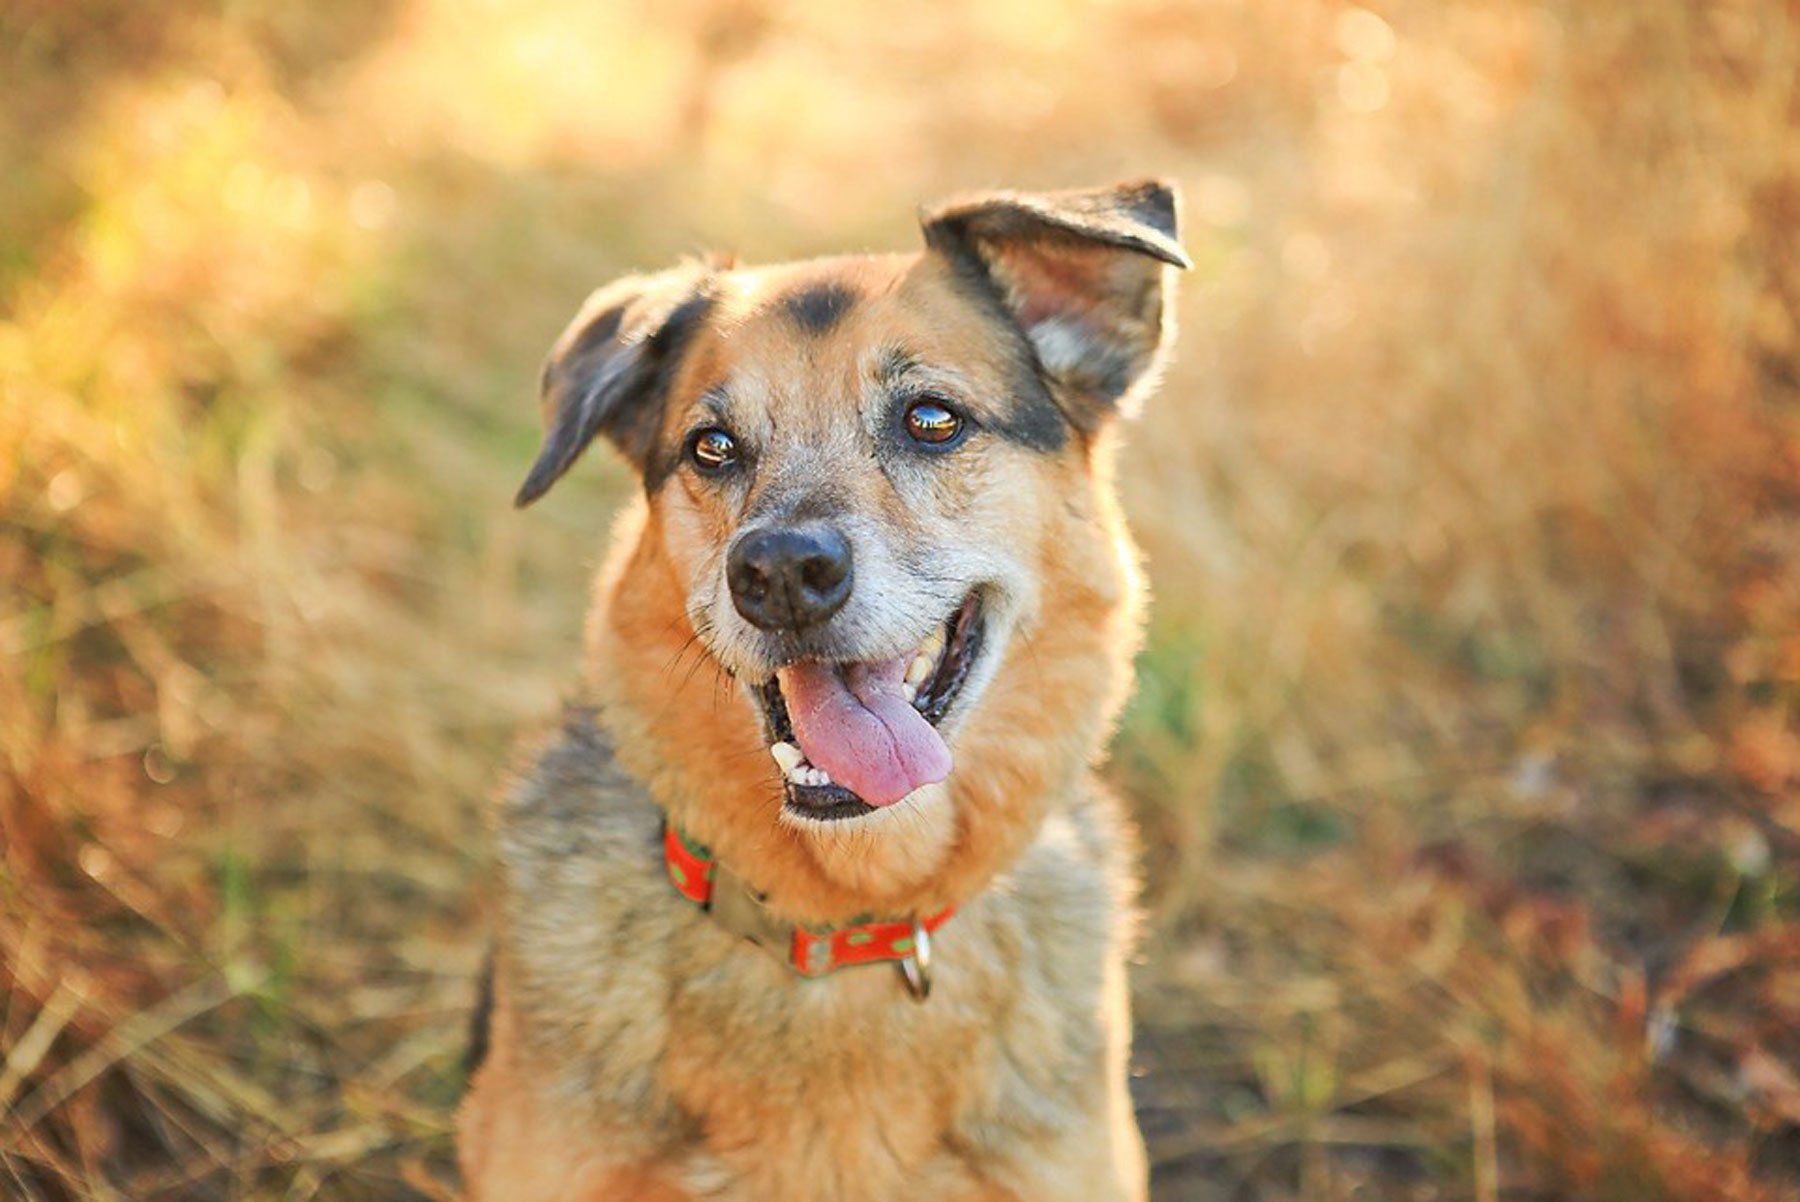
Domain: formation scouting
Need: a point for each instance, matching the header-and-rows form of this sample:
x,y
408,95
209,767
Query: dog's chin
x,y
941,684
888,847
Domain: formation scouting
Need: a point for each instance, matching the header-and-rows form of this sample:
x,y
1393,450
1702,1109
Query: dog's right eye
x,y
712,449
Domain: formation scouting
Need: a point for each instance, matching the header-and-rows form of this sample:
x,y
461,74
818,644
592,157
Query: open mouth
x,y
850,738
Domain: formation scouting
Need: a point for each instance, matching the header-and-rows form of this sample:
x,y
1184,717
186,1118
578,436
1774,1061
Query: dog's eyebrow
x,y
716,401
818,307
894,362
897,367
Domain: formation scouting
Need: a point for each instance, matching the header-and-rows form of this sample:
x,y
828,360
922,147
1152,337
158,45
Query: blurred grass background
x,y
1466,751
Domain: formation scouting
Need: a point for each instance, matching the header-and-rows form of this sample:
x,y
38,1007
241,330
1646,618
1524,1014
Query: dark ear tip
x,y
1156,202
1154,190
536,485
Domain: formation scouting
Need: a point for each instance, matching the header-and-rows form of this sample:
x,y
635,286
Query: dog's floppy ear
x,y
608,371
1081,272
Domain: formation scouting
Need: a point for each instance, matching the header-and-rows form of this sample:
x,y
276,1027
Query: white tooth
x,y
933,644
918,670
787,756
909,691
821,777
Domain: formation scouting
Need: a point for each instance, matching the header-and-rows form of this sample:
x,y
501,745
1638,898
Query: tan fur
x,y
640,1051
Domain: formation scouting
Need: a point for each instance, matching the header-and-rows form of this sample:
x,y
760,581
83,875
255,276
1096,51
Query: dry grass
x,y
1467,753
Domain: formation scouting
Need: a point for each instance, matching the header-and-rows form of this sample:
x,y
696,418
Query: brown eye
x,y
933,423
712,450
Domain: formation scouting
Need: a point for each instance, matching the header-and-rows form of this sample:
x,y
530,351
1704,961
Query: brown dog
x,y
821,899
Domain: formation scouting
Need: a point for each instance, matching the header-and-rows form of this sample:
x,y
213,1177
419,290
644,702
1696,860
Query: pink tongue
x,y
862,731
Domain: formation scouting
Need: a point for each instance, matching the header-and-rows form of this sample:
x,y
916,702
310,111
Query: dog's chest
x,y
847,1088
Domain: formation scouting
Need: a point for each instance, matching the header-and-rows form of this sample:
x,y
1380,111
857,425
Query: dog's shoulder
x,y
581,858
572,800
587,919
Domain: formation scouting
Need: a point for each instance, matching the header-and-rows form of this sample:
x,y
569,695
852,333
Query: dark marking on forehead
x,y
818,307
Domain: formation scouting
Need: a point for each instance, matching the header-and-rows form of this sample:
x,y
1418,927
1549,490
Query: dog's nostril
x,y
789,577
750,581
821,572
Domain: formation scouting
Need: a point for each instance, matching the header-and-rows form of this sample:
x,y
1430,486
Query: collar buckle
x,y
916,967
741,910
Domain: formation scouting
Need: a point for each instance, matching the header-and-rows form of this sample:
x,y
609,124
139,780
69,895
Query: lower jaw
x,y
825,803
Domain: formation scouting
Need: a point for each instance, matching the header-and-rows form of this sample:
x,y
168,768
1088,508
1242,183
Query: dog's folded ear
x,y
1081,272
609,370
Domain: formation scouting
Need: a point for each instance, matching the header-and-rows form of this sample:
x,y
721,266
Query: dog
x,y
816,896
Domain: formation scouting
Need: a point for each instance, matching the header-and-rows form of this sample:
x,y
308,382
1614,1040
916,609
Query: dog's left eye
x,y
712,449
932,422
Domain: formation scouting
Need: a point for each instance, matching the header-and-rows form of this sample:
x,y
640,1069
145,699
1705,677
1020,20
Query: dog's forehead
x,y
828,311
807,339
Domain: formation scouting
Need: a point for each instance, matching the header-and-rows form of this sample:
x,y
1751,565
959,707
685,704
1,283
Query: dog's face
x,y
856,469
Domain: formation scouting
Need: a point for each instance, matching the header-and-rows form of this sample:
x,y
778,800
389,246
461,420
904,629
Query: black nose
x,y
789,577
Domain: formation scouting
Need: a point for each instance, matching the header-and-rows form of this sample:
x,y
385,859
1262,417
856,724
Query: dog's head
x,y
872,499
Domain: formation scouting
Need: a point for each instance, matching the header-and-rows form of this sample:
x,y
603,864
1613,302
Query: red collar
x,y
809,951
